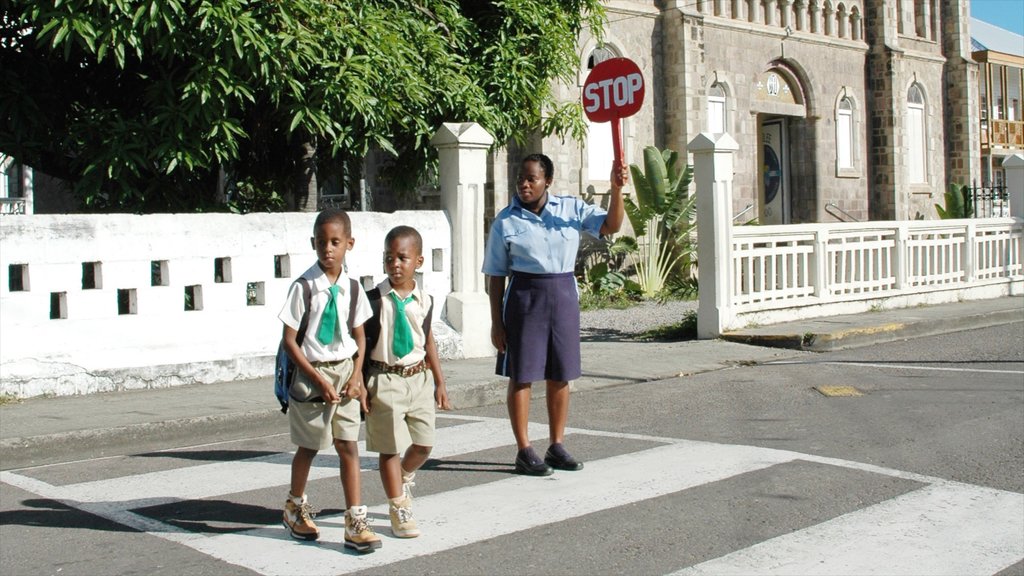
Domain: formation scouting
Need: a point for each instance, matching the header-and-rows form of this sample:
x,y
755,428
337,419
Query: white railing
x,y
775,267
767,274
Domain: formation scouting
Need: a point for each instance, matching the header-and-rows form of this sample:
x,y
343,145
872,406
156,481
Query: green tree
x,y
143,105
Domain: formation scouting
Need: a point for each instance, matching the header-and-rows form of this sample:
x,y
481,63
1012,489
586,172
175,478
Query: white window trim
x,y
915,156
853,141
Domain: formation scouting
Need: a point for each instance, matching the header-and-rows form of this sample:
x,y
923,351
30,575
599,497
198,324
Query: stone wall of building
x,y
870,51
963,149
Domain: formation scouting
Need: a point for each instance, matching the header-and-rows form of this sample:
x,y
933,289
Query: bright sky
x,y
1007,14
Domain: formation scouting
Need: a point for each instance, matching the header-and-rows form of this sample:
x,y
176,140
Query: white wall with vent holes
x,y
170,299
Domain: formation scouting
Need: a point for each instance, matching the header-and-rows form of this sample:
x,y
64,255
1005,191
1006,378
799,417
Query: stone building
x,y
842,109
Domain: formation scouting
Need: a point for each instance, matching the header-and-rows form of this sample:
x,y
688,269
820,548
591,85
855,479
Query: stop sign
x,y
614,89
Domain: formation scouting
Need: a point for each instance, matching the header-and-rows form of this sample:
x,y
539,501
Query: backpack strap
x,y
428,318
353,300
306,299
372,327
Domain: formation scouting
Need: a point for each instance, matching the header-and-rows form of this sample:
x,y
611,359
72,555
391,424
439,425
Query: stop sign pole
x,y
614,90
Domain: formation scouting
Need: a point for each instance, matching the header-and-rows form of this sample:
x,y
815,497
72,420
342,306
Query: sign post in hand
x,y
614,90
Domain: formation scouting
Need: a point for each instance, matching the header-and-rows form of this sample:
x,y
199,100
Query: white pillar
x,y
1014,167
712,172
462,157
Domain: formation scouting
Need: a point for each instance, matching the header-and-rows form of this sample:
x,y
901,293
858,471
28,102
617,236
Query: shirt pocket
x,y
510,231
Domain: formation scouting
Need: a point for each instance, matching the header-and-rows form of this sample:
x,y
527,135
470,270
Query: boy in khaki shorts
x,y
327,392
402,395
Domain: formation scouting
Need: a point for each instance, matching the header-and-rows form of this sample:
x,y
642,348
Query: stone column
x,y
1014,167
462,157
712,172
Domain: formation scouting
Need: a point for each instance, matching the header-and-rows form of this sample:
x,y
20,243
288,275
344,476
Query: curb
x,y
832,339
24,452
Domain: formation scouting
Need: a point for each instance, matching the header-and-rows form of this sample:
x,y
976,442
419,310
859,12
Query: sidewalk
x,y
42,430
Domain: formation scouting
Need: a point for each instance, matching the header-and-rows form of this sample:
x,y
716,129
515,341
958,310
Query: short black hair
x,y
545,163
333,215
404,232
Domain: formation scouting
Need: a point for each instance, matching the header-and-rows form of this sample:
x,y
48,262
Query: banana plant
x,y
662,215
958,203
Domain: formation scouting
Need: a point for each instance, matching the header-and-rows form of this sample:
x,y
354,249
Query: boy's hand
x,y
354,389
327,391
441,397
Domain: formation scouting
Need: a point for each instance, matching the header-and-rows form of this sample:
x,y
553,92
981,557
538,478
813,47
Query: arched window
x,y
717,113
916,141
845,135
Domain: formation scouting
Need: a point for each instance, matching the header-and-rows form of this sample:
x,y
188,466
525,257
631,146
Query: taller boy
x,y
330,361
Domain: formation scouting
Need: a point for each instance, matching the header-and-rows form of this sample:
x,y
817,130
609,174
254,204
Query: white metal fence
x,y
765,274
776,267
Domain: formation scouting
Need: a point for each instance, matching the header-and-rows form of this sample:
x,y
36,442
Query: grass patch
x,y
685,329
617,300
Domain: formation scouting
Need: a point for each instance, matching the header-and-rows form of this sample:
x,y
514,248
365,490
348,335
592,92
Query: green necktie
x,y
329,321
401,344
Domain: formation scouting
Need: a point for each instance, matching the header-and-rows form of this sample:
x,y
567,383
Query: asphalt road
x,y
745,470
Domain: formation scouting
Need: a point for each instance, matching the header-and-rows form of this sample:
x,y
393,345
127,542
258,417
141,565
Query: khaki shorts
x,y
401,411
315,425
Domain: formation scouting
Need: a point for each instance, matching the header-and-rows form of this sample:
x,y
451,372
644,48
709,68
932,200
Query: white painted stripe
x,y
468,515
944,519
949,529
216,479
899,367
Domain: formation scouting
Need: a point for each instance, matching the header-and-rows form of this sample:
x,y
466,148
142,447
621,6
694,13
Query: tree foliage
x,y
142,104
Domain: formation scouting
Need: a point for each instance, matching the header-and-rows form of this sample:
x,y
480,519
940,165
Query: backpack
x,y
284,367
372,327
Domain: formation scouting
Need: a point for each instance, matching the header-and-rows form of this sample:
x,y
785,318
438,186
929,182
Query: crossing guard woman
x,y
535,319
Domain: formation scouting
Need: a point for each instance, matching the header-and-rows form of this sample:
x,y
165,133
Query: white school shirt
x,y
344,345
415,312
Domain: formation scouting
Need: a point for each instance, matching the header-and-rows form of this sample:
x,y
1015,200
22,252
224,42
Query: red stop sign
x,y
614,89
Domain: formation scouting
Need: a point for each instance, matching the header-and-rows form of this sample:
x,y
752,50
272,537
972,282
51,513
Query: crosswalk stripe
x,y
473,514
944,528
215,479
939,529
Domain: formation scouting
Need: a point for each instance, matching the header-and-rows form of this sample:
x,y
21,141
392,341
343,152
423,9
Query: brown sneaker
x,y
402,523
298,519
358,534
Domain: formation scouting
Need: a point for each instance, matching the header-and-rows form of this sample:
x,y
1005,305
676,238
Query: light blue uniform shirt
x,y
540,244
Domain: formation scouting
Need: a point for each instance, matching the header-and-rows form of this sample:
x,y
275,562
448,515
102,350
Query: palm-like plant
x,y
662,214
958,203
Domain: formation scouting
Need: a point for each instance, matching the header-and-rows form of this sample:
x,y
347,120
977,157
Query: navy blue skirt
x,y
542,328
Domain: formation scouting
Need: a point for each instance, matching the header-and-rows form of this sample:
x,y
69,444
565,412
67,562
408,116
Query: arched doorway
x,y
778,102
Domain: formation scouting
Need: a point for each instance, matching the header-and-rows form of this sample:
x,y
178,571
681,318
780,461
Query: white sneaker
x,y
402,523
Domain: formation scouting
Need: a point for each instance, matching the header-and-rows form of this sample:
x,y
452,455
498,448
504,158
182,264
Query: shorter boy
x,y
402,396
328,366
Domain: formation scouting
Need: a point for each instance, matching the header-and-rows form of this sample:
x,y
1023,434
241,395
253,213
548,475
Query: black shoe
x,y
559,459
529,464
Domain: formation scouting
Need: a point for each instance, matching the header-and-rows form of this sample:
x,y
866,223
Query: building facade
x,y
847,110
1000,57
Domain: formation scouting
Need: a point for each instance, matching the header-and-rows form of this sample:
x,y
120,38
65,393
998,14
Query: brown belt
x,y
404,371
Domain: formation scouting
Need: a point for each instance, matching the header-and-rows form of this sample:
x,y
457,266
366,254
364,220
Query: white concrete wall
x,y
94,348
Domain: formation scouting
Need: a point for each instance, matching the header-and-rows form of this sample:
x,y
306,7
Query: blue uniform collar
x,y
552,201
